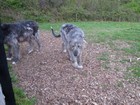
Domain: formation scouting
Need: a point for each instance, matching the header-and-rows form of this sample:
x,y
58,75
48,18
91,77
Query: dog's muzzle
x,y
75,53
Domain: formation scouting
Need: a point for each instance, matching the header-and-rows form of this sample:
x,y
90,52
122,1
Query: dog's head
x,y
76,46
27,31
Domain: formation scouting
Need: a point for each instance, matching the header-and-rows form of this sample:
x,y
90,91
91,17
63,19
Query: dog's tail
x,y
55,35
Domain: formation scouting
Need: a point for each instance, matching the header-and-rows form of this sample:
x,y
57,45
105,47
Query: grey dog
x,y
15,33
73,42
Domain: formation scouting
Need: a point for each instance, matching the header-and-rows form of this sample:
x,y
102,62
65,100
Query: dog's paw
x,y
65,51
70,59
38,50
30,51
138,59
14,63
9,59
77,66
80,67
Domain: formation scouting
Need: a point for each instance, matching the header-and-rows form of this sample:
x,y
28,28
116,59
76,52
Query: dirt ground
x,y
48,75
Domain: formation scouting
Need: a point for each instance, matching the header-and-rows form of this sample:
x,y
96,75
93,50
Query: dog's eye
x,y
78,46
73,46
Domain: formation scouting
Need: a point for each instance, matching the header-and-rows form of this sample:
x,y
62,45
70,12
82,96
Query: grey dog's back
x,y
72,32
69,30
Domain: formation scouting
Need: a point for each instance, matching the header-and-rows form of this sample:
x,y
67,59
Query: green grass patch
x,y
20,96
104,57
135,69
134,49
124,60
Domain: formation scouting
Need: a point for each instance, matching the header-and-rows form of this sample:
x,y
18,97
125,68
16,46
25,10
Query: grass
x,y
104,57
135,68
20,96
106,33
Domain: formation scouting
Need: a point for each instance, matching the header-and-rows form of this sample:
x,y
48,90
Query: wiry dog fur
x,y
73,42
14,33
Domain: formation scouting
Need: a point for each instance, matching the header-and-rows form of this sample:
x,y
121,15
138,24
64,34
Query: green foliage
x,y
15,3
7,18
134,5
36,15
71,10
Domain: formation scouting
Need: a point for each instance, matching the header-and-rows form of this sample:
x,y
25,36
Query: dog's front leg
x,y
9,55
73,58
70,54
64,47
79,60
65,43
37,40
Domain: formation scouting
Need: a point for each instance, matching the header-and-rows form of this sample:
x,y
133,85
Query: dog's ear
x,y
70,42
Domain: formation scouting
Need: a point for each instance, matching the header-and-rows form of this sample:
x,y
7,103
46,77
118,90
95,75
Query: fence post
x,y
5,79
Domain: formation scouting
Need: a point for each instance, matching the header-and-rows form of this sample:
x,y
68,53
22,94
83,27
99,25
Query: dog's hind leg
x,y
70,55
79,60
16,54
64,44
64,47
37,40
31,45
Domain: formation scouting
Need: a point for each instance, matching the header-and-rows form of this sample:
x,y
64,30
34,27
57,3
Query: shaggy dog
x,y
73,42
15,33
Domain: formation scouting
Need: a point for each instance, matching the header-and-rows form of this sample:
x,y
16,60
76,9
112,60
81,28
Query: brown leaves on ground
x,y
49,76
